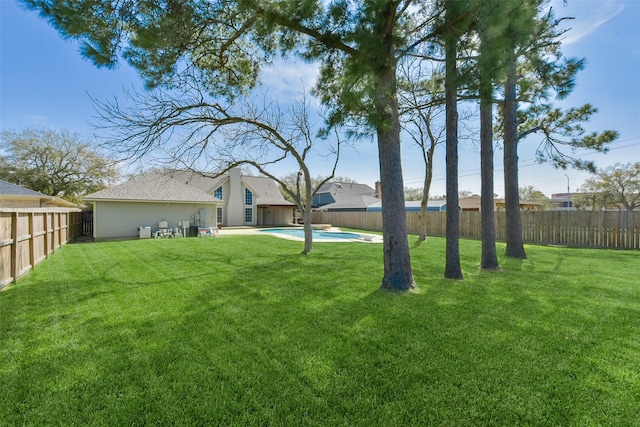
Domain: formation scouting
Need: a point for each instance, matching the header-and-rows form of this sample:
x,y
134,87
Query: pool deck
x,y
229,231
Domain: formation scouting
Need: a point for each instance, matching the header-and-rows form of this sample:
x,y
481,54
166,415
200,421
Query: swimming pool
x,y
317,234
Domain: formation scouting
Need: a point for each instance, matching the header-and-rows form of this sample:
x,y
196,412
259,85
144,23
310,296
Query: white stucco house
x,y
187,200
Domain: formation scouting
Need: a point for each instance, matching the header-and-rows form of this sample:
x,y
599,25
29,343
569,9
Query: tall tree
x,y
222,46
55,162
422,107
209,136
457,17
519,30
617,186
537,70
492,19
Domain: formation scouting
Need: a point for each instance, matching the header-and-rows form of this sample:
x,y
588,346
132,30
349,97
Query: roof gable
x,y
266,190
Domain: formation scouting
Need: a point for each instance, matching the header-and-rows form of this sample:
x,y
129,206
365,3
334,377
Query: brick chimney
x,y
378,190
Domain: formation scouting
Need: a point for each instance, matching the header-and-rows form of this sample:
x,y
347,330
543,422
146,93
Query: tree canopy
x,y
617,186
529,193
537,72
56,163
222,45
218,48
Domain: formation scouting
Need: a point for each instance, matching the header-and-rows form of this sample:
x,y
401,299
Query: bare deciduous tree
x,y
184,130
423,107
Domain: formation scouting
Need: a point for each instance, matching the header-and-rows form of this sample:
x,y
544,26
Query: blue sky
x,y
45,82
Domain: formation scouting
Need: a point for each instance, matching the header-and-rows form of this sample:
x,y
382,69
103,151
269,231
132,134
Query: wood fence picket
x,y
589,229
28,236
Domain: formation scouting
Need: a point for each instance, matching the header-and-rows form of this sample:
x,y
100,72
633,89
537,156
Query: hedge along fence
x,y
30,235
590,229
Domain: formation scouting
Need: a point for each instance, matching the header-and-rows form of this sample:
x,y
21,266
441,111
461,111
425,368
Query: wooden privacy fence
x,y
595,229
29,235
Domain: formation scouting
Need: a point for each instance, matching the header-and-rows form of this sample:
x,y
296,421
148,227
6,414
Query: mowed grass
x,y
244,330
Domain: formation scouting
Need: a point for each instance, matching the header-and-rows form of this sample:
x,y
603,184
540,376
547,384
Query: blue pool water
x,y
317,234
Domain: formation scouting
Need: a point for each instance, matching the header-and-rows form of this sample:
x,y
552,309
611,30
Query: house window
x,y
248,197
219,216
218,193
248,215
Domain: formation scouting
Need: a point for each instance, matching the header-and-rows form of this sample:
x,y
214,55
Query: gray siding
x,y
113,220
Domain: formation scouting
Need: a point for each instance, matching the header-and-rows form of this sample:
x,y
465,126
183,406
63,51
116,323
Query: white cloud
x,y
588,16
288,79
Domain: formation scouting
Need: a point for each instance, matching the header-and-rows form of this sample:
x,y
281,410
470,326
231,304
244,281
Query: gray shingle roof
x,y
9,189
265,189
154,188
348,195
202,182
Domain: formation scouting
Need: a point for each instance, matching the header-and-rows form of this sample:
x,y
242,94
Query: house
x,y
352,197
119,211
563,201
186,200
472,203
414,206
246,200
344,197
16,196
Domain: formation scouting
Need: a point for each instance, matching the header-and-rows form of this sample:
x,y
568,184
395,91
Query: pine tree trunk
x,y
515,246
452,267
397,261
487,209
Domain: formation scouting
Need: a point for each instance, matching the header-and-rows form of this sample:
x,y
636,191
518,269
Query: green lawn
x,y
243,330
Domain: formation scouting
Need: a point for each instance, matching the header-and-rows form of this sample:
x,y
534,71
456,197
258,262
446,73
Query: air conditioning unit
x,y
144,232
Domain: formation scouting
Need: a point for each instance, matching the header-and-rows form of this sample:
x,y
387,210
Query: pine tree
x,y
222,45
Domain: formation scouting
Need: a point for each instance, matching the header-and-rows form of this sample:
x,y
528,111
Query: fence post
x,y
14,246
628,234
32,242
47,243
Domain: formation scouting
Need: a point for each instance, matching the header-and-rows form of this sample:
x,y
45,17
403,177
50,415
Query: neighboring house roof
x,y
414,206
265,189
13,191
154,188
9,189
472,203
343,196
